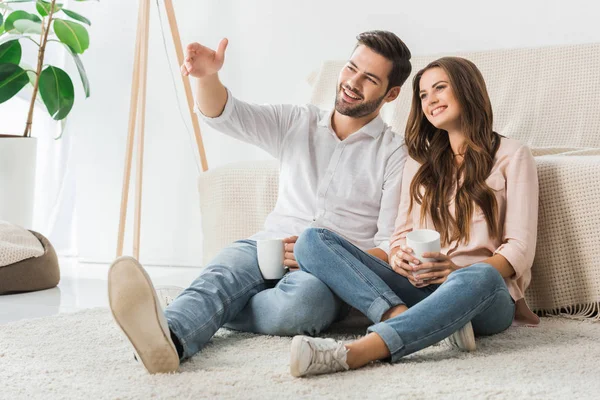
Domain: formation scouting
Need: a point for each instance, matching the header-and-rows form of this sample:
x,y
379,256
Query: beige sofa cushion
x,y
234,202
566,272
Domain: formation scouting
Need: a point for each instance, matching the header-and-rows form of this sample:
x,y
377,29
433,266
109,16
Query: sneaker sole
x,y
294,359
466,338
135,307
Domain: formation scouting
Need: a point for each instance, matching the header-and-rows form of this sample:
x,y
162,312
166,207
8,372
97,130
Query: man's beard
x,y
357,110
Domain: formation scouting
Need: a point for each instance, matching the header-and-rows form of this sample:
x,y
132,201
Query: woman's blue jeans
x,y
476,293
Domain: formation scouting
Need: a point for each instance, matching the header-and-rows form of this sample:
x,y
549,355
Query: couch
x,y
546,97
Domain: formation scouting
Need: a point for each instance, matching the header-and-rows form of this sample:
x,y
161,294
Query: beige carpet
x,y
84,356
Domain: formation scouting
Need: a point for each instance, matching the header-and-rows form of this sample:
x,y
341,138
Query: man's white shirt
x,y
351,186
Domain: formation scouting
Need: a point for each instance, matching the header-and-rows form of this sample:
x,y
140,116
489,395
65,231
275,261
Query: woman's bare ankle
x,y
365,350
393,312
355,358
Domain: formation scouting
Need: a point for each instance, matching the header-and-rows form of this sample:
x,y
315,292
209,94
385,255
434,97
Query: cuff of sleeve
x,y
394,245
224,115
391,248
385,246
513,256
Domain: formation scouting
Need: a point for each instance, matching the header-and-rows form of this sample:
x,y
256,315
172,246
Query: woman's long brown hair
x,y
434,182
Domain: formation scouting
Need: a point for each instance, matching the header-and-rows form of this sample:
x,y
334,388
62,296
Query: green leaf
x,y
1,29
12,79
10,52
43,7
18,15
26,26
76,16
84,79
1,19
72,34
58,94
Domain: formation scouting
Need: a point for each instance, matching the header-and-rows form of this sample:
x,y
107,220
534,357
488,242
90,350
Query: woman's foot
x,y
313,356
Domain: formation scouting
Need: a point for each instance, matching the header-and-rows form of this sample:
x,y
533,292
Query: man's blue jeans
x,y
231,292
476,293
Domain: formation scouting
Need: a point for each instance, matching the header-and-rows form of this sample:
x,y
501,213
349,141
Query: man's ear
x,y
392,94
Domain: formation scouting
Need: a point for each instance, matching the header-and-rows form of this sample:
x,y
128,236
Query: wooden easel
x,y
137,115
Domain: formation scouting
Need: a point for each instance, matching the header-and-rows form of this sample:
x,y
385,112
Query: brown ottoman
x,y
31,274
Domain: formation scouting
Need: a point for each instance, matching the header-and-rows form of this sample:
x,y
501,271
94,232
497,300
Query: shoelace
x,y
325,357
451,340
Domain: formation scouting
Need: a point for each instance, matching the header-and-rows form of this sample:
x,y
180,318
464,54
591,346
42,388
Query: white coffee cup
x,y
270,258
423,241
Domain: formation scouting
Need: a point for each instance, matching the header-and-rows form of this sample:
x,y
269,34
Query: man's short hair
x,y
391,47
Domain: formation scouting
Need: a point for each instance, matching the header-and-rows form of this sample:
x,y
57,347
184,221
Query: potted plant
x,y
45,23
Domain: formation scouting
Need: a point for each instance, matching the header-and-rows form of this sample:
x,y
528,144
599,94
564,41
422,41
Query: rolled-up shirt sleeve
x,y
390,198
520,226
404,222
264,126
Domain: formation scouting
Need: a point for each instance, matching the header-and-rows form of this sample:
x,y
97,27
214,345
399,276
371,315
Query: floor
x,y
82,285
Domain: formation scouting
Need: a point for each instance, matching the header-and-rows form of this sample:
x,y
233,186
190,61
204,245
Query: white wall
x,y
274,44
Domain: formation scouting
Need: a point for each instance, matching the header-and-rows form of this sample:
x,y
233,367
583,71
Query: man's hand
x,y
402,261
289,259
200,61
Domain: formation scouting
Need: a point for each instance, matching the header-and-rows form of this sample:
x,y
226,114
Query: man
x,y
339,170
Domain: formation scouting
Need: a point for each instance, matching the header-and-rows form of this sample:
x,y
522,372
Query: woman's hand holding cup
x,y
424,261
437,271
403,262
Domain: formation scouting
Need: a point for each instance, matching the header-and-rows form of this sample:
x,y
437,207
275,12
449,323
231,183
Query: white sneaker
x,y
463,339
166,294
313,356
136,309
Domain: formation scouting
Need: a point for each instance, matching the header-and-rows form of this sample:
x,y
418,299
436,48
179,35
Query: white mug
x,y
423,241
270,258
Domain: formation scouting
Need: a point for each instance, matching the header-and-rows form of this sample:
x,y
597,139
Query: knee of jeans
x,y
309,310
490,275
305,246
483,274
231,272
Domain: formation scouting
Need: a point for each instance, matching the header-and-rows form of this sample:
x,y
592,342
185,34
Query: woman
x,y
479,190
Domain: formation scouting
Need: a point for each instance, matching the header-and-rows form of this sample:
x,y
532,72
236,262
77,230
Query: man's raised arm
x,y
204,64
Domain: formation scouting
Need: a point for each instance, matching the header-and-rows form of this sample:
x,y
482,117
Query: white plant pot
x,y
17,179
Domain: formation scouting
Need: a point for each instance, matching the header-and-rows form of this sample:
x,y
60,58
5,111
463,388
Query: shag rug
x,y
84,356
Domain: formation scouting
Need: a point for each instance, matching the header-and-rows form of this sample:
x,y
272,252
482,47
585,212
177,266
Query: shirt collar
x,y
373,128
